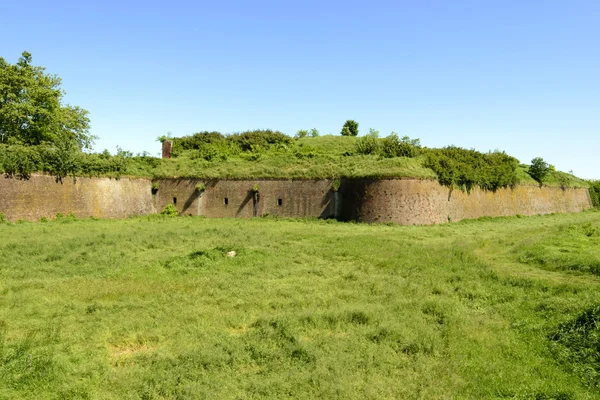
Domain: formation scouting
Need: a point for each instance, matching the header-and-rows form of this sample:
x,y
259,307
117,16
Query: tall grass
x,y
155,308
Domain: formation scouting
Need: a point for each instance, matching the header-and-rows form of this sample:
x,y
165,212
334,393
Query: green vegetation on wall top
x,y
273,155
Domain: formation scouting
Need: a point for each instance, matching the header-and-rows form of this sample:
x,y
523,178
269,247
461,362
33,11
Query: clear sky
x,y
521,76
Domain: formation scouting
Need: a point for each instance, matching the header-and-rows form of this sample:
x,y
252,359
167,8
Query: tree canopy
x,y
539,169
350,128
31,109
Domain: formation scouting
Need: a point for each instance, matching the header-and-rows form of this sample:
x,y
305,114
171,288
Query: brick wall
x,y
42,196
410,201
403,201
235,198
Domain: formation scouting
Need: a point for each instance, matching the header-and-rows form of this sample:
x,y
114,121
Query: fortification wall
x,y
41,196
409,201
403,201
235,198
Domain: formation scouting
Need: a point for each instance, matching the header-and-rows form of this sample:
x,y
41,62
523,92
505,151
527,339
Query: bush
x,y
302,133
214,146
196,141
350,128
455,166
251,140
19,161
369,144
170,210
539,169
63,159
393,146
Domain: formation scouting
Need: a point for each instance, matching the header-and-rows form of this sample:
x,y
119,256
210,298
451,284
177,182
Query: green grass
x,y
153,308
572,248
323,157
554,179
250,157
289,166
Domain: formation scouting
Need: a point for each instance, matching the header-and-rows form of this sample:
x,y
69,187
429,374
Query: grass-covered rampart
x,y
155,308
271,154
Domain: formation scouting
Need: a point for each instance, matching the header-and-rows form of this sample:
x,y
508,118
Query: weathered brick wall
x,y
404,201
287,198
42,196
410,201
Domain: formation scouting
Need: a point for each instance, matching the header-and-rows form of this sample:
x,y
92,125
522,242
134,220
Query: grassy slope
x,y
313,158
151,308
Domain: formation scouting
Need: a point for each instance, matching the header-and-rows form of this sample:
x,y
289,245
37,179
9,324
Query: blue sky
x,y
519,76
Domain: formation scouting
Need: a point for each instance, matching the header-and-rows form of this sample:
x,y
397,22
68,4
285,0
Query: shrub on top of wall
x,y
196,141
389,147
393,146
369,144
264,138
464,168
20,161
216,146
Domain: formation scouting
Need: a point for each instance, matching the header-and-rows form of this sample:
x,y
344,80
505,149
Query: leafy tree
x,y
350,128
31,109
314,132
539,169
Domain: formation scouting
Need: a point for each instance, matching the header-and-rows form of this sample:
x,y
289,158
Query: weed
x,y
170,210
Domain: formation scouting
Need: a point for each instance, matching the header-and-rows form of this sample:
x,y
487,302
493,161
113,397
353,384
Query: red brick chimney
x,y
167,148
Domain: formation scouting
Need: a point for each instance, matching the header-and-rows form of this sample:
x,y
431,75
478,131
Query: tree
x,y
350,128
539,169
31,109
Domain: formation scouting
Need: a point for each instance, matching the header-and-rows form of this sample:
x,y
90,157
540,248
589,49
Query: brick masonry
x,y
410,201
41,196
403,201
235,198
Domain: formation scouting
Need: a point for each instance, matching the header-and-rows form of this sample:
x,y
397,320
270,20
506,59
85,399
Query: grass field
x,y
153,308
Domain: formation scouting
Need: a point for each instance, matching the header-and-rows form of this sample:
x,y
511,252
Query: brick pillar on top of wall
x,y
167,148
